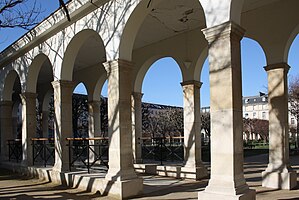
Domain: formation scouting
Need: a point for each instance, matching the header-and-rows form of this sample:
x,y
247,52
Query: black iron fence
x,y
93,152
43,151
88,152
14,150
162,149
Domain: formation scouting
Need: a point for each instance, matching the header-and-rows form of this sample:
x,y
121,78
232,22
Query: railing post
x,y
88,163
161,153
171,148
45,152
70,158
33,157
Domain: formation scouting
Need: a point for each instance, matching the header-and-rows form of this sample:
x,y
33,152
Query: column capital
x,y
115,64
63,83
281,65
227,29
137,95
192,82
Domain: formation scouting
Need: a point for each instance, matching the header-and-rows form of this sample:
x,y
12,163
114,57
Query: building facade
x,y
118,41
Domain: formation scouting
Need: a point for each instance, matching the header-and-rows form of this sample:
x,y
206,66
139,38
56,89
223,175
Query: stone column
x,y
94,124
63,91
279,173
227,175
192,129
15,119
45,123
121,175
5,127
137,126
28,126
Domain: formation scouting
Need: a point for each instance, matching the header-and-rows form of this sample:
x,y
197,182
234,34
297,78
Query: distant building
x,y
256,107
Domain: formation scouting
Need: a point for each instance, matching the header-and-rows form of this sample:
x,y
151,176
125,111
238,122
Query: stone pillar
x,y
28,126
15,120
63,91
121,175
192,129
45,123
137,126
94,124
5,127
279,173
227,176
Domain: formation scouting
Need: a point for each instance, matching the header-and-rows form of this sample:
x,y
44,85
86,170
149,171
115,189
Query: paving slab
x,y
14,186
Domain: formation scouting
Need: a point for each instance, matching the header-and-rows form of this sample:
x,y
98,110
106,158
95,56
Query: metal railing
x,y
87,152
43,151
162,149
14,150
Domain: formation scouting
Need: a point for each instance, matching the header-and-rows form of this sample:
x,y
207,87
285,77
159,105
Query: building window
x,y
246,115
264,115
254,114
292,121
246,100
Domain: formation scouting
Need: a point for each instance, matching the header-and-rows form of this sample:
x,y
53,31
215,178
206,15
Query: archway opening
x,y
162,112
45,105
293,80
255,96
11,117
80,111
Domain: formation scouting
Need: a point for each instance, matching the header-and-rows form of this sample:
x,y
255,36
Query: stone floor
x,y
13,186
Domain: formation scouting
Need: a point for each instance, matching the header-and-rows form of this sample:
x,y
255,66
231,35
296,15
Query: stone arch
x,y
96,95
73,49
133,25
145,67
34,71
236,10
262,46
227,10
9,81
199,64
290,42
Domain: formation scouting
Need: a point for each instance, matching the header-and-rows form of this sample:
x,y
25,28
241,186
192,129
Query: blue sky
x,y
162,82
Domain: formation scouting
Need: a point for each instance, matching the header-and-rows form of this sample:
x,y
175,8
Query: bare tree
x,y
261,127
23,14
80,115
164,122
257,126
18,13
206,123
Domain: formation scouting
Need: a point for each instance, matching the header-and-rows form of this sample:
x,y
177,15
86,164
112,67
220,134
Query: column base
x,y
196,172
279,180
123,189
247,195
